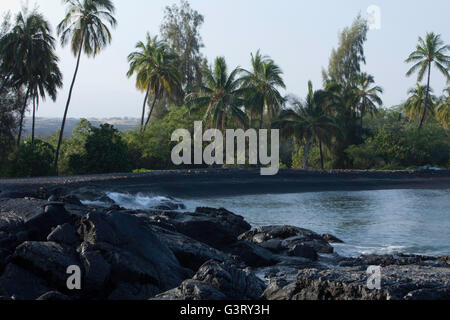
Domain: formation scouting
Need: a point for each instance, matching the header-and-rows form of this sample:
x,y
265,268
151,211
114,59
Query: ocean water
x,y
381,222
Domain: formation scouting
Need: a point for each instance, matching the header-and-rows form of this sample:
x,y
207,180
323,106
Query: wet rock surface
x,y
209,254
407,282
218,281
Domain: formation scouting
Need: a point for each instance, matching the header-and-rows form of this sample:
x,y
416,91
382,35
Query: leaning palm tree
x,y
429,52
443,109
85,26
156,68
27,50
309,121
367,95
45,81
263,84
220,96
416,102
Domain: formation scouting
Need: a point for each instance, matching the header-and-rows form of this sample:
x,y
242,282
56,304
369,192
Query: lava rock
x,y
96,270
21,284
234,283
24,208
190,253
53,215
304,251
133,291
49,260
331,239
251,254
398,283
274,245
132,248
192,290
386,260
289,237
64,234
215,227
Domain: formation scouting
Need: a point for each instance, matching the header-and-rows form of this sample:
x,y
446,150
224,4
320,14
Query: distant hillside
x,y
48,126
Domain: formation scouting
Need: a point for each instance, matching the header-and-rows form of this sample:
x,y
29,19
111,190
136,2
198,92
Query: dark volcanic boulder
x,y
398,283
133,249
21,284
11,222
304,251
49,260
444,259
133,291
386,260
215,227
217,281
64,234
192,290
190,253
52,215
235,283
96,269
331,239
24,208
251,254
284,238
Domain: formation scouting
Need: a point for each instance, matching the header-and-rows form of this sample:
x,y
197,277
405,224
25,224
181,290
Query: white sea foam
x,y
140,201
352,250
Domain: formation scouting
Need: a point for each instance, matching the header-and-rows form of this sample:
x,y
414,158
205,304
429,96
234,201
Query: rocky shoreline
x,y
165,254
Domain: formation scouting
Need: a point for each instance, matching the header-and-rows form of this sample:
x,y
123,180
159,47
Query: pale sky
x,y
298,35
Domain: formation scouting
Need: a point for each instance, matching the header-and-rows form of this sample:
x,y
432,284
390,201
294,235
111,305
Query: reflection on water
x,y
409,221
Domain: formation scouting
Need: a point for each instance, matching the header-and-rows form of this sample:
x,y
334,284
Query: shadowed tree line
x,y
341,125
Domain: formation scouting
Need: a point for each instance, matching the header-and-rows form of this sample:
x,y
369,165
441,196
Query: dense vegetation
x,y
341,125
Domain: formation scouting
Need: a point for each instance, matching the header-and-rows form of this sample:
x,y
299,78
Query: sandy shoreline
x,y
228,182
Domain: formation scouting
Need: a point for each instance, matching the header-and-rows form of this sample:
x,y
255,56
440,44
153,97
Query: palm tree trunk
x,y
261,120
306,153
321,155
34,120
22,115
61,133
363,109
144,107
151,110
422,120
224,127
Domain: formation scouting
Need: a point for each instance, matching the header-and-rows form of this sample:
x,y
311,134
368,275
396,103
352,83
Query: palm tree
x,y
416,102
263,84
221,95
27,51
85,28
309,120
156,68
443,109
430,51
367,95
45,81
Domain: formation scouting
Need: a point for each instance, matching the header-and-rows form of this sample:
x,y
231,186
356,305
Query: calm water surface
x,y
408,221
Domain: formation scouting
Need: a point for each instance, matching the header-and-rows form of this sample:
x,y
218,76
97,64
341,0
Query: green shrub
x,y
403,147
152,149
313,158
33,159
104,152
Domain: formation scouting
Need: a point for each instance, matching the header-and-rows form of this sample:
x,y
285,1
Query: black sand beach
x,y
228,182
